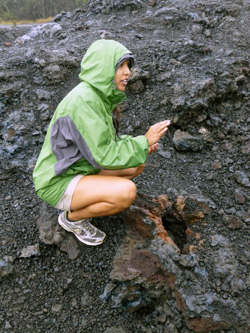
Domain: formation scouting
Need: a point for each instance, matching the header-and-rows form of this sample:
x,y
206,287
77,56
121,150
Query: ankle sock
x,y
68,219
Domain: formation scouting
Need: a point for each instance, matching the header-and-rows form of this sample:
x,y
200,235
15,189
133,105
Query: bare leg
x,y
99,195
108,193
125,173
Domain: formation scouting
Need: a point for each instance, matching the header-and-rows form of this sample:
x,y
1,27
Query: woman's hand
x,y
152,148
155,132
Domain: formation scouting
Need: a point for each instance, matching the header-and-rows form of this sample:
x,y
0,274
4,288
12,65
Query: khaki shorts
x,y
65,201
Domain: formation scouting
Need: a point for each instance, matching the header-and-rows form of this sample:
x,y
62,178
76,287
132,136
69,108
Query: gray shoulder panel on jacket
x,y
68,145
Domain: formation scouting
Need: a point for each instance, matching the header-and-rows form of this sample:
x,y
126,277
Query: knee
x,y
128,194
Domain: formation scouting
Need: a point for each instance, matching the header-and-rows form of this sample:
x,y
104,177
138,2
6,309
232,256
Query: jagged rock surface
x,y
178,259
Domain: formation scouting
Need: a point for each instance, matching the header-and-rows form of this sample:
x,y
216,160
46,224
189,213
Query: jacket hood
x,y
98,69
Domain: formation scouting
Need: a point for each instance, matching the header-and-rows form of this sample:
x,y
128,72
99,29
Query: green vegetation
x,y
17,10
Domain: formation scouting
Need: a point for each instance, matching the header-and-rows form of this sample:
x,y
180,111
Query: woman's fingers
x,y
156,131
163,131
163,126
153,148
165,122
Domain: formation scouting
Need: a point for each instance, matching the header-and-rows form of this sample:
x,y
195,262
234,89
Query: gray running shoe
x,y
83,230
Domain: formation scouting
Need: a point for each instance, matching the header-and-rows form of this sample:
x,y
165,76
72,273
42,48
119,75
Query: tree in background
x,y
5,11
36,9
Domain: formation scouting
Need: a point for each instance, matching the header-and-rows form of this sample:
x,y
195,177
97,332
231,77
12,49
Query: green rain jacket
x,y
81,137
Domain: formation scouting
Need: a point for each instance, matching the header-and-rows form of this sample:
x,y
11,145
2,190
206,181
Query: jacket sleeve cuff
x,y
143,142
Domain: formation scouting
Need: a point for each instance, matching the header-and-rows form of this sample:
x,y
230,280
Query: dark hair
x,y
116,117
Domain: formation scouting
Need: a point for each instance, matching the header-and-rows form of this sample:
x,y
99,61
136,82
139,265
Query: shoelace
x,y
91,229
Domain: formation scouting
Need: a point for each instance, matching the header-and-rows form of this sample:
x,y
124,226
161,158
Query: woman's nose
x,y
127,70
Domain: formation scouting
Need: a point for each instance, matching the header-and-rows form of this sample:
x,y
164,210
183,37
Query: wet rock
x,y
86,299
50,232
43,107
189,260
208,324
197,28
60,57
106,34
245,217
137,80
55,30
50,30
178,103
164,154
56,308
238,285
30,251
152,2
6,266
115,329
224,262
183,141
170,328
8,325
137,87
138,272
242,178
206,134
43,95
139,74
54,73
233,222
240,79
246,149
234,10
144,217
193,66
174,62
166,11
164,77
109,6
219,240
136,291
11,90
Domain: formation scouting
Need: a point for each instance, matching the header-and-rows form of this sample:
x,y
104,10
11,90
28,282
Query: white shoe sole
x,y
82,241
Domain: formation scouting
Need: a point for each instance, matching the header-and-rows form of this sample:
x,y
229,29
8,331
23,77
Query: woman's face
x,y
122,75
